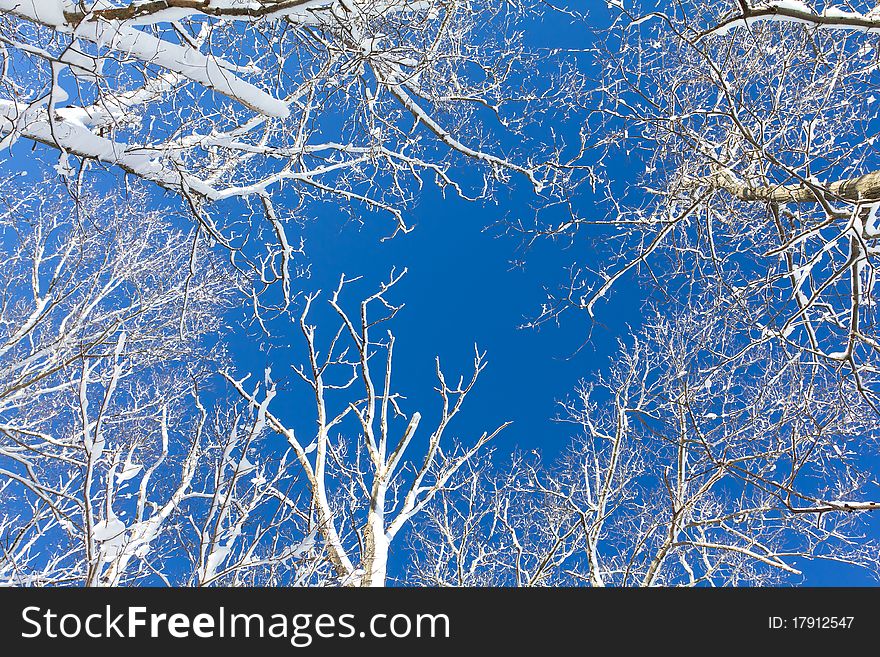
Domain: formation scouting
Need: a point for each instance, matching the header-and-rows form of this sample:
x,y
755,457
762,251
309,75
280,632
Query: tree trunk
x,y
375,557
864,188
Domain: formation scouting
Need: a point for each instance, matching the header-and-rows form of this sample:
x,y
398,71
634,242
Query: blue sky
x,y
461,289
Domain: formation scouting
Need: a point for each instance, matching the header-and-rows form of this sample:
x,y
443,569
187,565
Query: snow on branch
x,y
795,11
208,71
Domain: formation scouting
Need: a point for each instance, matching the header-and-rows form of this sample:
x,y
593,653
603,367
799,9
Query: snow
x,y
792,5
229,4
110,533
109,529
795,11
302,548
184,60
215,560
40,306
129,471
63,167
245,466
872,224
17,119
840,12
48,12
83,66
120,345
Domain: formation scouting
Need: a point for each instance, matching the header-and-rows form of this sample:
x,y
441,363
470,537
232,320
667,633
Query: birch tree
x,y
278,106
369,466
752,127
101,323
686,471
121,463
729,443
281,103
